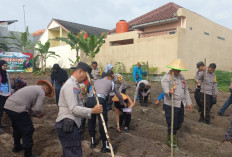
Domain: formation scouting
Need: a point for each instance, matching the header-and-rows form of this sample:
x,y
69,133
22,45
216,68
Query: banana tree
x,y
21,41
73,41
44,54
91,45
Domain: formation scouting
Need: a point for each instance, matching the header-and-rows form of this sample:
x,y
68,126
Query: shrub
x,y
152,70
119,68
223,79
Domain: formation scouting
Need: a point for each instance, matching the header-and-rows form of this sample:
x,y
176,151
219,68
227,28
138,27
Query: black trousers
x,y
124,91
2,104
125,117
197,96
178,117
209,105
22,129
71,142
92,122
141,98
57,91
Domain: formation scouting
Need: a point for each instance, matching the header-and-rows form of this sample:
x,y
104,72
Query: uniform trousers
x,y
92,121
71,142
22,129
178,117
209,105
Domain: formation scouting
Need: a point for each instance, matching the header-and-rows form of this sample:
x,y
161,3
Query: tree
x,y
3,46
91,45
44,54
21,41
73,41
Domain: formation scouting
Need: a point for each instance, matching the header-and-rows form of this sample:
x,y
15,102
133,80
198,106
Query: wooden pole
x,y
101,115
204,91
172,118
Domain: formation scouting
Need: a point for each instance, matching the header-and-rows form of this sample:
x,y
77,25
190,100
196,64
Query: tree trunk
x,y
45,66
42,58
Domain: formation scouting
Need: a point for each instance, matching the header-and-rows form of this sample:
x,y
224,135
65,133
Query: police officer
x,y
19,108
96,72
103,88
119,85
181,98
71,111
120,81
200,67
211,91
143,90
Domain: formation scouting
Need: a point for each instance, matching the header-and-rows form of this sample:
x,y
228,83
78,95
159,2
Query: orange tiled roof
x,y
37,33
164,12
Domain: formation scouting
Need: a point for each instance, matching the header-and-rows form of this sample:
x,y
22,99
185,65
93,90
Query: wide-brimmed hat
x,y
177,65
115,98
42,82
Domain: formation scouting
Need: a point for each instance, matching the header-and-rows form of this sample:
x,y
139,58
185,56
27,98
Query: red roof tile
x,y
164,12
37,33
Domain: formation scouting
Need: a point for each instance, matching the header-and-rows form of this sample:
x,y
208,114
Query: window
x,y
206,33
172,32
221,38
122,42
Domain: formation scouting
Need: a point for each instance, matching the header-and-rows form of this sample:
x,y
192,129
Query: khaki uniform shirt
x,y
181,93
123,84
210,83
104,87
71,104
96,74
26,98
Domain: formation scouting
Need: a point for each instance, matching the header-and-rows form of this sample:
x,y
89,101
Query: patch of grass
x,y
223,80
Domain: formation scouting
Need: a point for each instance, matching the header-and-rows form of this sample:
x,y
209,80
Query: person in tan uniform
x,y
181,98
72,110
23,104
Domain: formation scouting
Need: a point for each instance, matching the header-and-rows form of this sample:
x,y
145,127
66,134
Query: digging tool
x,y
204,91
172,118
101,115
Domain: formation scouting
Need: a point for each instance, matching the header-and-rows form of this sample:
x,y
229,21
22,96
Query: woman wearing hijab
x,y
5,89
59,76
108,68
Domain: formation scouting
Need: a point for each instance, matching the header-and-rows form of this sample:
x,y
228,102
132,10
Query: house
x,y
167,33
60,28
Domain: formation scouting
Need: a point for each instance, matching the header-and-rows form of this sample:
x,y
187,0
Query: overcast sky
x,y
102,13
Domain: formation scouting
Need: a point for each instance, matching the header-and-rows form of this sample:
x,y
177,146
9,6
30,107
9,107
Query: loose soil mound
x,y
147,134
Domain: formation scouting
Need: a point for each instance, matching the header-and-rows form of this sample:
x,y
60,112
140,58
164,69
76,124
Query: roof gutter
x,y
174,19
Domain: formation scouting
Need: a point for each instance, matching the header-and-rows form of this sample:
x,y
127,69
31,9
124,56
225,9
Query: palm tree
x,y
91,45
44,54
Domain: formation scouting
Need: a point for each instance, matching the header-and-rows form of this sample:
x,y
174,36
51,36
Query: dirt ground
x,y
147,134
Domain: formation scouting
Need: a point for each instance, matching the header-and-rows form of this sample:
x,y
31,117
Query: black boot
x,y
27,153
17,148
93,142
106,147
201,120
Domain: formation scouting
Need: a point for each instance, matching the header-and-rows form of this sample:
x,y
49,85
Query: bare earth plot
x,y
147,134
